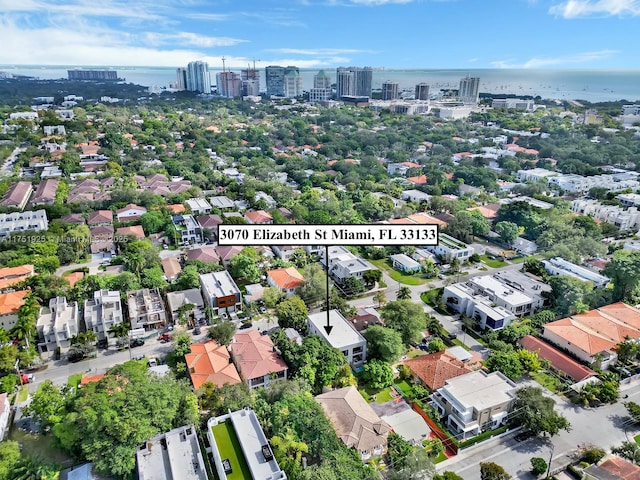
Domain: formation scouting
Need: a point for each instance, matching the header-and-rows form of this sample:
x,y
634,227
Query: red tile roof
x,y
12,275
210,362
17,194
100,216
286,278
558,360
258,217
254,355
435,369
204,254
419,180
621,468
74,278
12,301
135,230
96,377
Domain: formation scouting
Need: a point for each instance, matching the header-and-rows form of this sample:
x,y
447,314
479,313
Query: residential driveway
x,y
93,265
604,427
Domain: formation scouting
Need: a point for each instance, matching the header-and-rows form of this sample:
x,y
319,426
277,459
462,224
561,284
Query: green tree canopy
x,y
406,318
293,313
536,413
383,343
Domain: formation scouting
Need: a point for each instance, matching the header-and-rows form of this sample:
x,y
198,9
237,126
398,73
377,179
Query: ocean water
x,y
591,85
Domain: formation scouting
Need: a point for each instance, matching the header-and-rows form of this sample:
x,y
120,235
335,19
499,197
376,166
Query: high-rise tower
x,y
389,90
469,89
422,91
274,76
198,79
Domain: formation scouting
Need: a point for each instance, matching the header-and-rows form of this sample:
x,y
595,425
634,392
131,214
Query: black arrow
x,y
328,326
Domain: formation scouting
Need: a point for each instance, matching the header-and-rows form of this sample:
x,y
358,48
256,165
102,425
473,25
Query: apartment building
x,y
612,214
343,336
343,264
57,324
220,292
475,402
560,266
615,182
103,312
18,222
146,309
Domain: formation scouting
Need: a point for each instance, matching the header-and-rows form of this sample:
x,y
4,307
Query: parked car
x,y
136,342
263,309
164,337
244,326
452,336
197,331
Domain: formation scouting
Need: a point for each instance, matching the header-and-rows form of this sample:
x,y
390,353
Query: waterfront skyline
x,y
597,34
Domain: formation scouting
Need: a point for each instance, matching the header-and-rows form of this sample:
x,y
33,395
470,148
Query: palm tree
x,y
380,297
120,330
24,329
404,293
135,263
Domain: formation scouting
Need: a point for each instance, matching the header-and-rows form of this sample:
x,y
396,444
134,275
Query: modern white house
x,y
475,402
146,309
102,312
560,266
199,206
187,229
220,292
449,248
343,336
495,300
57,325
174,455
250,452
343,264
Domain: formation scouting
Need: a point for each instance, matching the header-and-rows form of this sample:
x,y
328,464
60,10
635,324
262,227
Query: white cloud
x,y
316,51
189,38
212,17
104,8
542,62
378,2
598,8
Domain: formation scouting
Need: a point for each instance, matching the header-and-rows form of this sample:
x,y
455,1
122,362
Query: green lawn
x,y
23,394
74,380
637,439
229,447
404,387
430,296
440,458
398,276
42,447
378,396
415,352
547,380
492,262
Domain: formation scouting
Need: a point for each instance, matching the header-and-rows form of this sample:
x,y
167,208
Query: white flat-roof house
x,y
188,230
199,206
255,453
57,325
449,248
494,300
560,266
343,264
174,455
220,292
103,312
474,402
343,336
535,174
146,308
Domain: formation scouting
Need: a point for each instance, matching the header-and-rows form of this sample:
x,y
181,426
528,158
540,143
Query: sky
x,y
395,34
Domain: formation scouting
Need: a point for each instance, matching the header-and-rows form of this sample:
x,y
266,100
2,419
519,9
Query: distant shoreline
x,y
552,84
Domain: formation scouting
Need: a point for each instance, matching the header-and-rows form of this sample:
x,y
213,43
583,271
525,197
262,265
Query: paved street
x,y
603,426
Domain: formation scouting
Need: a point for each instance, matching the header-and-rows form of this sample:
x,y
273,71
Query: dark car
x,y
197,331
244,326
452,336
136,342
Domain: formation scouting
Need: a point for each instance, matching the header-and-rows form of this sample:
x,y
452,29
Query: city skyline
x,y
382,33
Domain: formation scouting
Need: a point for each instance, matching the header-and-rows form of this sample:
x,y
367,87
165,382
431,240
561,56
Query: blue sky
x,y
592,34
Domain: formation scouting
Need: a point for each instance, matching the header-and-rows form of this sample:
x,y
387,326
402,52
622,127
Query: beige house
x,y
475,402
355,422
